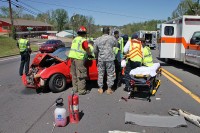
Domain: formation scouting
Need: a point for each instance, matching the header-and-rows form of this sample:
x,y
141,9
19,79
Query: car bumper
x,y
38,82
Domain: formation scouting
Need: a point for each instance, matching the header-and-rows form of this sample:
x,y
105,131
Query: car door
x,y
92,71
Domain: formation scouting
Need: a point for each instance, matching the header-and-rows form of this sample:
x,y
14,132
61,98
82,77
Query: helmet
x,y
82,29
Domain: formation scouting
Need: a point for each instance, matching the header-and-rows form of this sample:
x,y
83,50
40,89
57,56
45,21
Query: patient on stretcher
x,y
143,70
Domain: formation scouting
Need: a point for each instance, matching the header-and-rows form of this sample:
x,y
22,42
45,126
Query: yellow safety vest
x,y
147,58
92,50
115,50
121,42
77,51
135,51
22,44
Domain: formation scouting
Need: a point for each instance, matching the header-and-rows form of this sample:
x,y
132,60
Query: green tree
x,y
78,20
28,17
16,12
90,25
186,7
61,18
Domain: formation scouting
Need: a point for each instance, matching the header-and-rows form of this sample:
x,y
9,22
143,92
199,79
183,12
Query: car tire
x,y
57,83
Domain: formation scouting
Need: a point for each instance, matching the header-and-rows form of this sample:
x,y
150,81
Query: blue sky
x,y
109,12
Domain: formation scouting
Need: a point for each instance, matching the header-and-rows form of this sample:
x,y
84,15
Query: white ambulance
x,y
149,36
180,40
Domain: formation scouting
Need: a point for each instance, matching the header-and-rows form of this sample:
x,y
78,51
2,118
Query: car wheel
x,y
57,83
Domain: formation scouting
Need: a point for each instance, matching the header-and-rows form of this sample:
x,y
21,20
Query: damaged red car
x,y
53,71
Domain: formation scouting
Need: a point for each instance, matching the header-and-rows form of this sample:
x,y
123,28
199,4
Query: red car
x,y
53,71
44,36
51,45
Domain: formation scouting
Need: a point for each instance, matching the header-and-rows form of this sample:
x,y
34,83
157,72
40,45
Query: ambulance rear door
x,y
167,46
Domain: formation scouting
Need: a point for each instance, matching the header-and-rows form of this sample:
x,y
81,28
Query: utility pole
x,y
73,24
11,19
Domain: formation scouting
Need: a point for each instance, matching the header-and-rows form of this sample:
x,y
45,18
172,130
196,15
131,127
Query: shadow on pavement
x,y
91,84
140,96
28,91
180,65
81,114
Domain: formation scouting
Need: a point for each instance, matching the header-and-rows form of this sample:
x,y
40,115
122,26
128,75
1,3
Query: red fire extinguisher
x,y
73,107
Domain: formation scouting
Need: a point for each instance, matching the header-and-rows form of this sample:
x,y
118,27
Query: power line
x,y
30,6
24,8
88,10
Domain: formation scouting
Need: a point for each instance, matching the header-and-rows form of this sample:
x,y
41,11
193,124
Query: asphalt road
x,y
22,110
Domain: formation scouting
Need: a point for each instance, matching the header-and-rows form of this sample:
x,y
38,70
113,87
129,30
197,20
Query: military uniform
x,y
103,49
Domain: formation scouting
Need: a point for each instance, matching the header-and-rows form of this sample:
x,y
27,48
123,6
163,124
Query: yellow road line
x,y
195,97
171,75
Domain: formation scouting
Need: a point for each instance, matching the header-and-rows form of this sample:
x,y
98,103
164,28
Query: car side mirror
x,y
193,40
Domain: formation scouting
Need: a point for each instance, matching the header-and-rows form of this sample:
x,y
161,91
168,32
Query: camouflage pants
x,y
109,67
79,74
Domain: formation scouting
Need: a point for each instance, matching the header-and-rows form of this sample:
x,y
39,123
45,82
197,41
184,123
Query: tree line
x,y
60,20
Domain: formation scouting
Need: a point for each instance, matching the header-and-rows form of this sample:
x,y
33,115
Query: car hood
x,y
45,60
48,45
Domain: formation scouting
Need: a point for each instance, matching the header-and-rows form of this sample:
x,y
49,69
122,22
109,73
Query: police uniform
x,y
118,68
23,45
121,45
103,49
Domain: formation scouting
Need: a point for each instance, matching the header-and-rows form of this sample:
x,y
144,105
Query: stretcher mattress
x,y
143,70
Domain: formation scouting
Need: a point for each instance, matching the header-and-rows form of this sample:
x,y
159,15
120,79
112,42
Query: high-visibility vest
x,y
91,39
135,51
115,50
22,44
92,50
147,57
121,42
77,51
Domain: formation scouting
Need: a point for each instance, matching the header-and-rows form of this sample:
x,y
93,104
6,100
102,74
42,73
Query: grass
x,y
8,46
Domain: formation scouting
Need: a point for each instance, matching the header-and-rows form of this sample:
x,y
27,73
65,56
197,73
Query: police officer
x,y
25,51
103,49
117,61
147,56
78,53
120,41
125,40
133,51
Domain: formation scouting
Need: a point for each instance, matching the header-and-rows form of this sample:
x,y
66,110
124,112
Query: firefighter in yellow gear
x,y
78,53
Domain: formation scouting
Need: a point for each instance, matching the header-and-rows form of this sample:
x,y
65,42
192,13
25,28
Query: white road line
x,y
10,58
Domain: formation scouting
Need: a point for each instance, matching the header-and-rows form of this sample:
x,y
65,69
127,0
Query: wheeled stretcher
x,y
145,79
